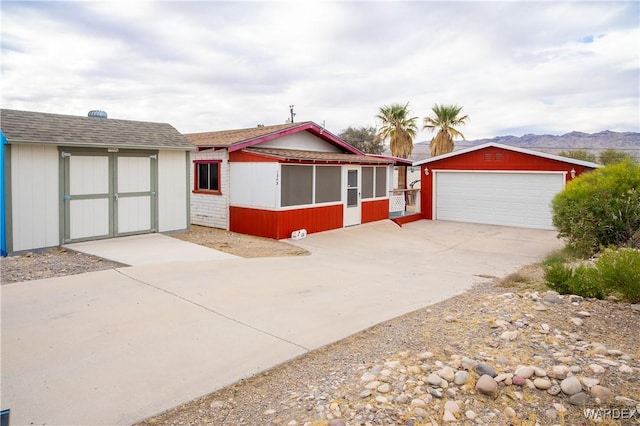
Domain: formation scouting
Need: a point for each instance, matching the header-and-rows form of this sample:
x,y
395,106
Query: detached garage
x,y
496,184
70,179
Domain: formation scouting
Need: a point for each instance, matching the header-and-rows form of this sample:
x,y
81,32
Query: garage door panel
x,y
510,199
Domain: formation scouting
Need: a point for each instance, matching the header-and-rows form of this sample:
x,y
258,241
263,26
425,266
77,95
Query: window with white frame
x,y
307,184
374,182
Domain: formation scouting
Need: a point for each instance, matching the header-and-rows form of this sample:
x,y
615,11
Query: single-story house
x,y
495,184
69,178
272,180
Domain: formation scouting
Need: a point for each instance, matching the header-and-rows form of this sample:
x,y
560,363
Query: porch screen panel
x,y
381,181
367,182
297,185
328,185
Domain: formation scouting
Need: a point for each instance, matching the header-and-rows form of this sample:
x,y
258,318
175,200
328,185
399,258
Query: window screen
x,y
328,186
367,182
297,185
381,181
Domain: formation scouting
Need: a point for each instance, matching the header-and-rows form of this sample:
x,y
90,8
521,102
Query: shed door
x,y
88,200
134,195
108,194
511,198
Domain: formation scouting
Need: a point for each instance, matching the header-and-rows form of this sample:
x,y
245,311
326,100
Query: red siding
x,y
490,158
280,224
375,210
249,157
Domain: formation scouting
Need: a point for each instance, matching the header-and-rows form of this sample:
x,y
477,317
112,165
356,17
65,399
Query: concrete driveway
x,y
117,346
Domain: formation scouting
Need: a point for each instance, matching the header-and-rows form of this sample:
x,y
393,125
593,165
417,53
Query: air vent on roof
x,y
96,113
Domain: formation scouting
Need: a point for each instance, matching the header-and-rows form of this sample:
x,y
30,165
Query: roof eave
x,y
106,146
509,148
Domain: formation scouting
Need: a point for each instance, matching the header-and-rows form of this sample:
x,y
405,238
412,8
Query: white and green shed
x,y
69,178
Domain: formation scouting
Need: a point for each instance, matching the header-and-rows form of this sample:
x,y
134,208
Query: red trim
x,y
196,189
407,219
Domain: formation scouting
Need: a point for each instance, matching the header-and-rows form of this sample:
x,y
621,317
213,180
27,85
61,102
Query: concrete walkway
x,y
148,249
117,346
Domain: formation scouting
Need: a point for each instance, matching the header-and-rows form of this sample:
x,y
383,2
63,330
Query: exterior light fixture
x,y
572,173
426,171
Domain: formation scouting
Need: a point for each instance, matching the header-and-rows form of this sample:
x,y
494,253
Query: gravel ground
x,y
385,375
426,367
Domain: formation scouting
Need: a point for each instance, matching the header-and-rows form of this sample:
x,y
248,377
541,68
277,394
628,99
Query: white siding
x,y
255,185
303,141
34,196
172,191
208,209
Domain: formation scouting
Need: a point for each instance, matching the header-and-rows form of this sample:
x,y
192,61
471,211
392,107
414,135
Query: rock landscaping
x,y
487,357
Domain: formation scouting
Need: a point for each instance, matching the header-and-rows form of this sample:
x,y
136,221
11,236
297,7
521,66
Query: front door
x,y
352,211
107,194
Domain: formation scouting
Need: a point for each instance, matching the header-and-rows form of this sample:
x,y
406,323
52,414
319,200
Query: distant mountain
x,y
553,144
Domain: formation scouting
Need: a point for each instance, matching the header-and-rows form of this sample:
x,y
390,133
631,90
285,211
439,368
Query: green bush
x,y
558,276
599,208
587,282
620,272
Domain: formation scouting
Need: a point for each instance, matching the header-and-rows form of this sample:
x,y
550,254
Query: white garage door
x,y
508,198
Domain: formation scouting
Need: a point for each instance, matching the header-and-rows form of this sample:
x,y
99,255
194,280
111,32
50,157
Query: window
x,y
328,184
207,176
374,182
381,181
297,185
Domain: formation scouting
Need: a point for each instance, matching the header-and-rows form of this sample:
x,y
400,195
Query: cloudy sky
x,y
515,67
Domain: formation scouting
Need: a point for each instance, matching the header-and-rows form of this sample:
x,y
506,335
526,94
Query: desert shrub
x,y
587,282
612,156
620,272
558,275
599,208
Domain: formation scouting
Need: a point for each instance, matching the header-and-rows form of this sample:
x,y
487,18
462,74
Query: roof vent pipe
x,y
96,113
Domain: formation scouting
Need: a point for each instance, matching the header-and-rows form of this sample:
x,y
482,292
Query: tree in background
x,y
400,129
363,138
445,120
579,154
612,156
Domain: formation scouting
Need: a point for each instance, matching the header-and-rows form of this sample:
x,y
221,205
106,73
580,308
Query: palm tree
x,y
400,129
444,118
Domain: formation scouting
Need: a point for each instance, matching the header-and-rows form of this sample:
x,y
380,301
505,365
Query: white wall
x,y
255,185
208,209
302,141
34,196
172,190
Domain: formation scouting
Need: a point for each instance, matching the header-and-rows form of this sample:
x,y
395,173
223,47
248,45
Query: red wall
x,y
375,210
475,160
280,224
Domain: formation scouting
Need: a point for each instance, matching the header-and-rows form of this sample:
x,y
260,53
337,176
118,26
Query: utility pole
x,y
291,111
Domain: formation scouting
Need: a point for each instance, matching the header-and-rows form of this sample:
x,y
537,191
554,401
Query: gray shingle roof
x,y
69,130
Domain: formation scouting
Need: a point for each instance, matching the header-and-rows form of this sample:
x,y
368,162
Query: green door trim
x,y
65,197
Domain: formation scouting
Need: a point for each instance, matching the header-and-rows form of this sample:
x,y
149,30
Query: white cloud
x,y
515,67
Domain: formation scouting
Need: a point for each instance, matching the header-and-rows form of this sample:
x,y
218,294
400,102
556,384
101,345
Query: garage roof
x,y
509,148
69,130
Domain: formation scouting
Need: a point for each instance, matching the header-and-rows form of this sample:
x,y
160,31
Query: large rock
x,y
601,393
488,386
460,377
571,385
483,369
